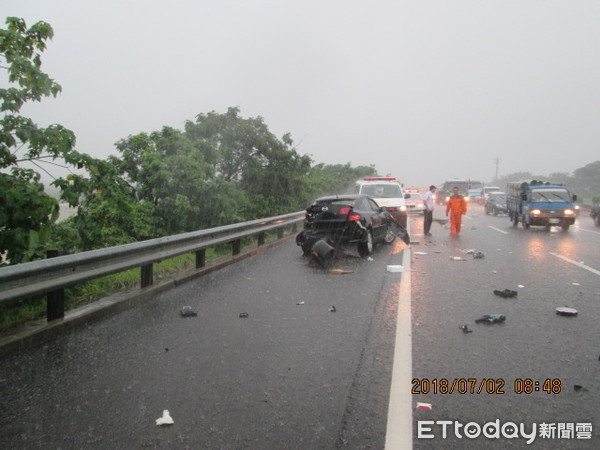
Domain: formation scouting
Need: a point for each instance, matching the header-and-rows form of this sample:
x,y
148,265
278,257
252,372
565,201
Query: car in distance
x,y
339,221
386,191
414,201
495,203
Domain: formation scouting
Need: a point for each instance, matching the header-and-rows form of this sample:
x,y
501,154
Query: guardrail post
x,y
55,300
261,238
280,231
147,275
200,258
236,247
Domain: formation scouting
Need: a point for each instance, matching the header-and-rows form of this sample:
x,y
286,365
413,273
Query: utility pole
x,y
497,161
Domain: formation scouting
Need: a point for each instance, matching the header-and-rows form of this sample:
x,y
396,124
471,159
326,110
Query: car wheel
x,y
365,248
389,236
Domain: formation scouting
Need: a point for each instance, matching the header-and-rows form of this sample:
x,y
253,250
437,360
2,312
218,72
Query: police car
x,y
386,191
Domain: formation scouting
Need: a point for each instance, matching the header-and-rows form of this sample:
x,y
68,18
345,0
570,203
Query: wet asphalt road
x,y
288,376
533,343
299,376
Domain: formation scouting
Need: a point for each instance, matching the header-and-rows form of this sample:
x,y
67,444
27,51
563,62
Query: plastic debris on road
x,y
420,253
566,311
300,303
478,255
332,308
457,258
187,311
520,286
423,405
576,284
465,329
166,419
491,318
395,268
506,293
243,315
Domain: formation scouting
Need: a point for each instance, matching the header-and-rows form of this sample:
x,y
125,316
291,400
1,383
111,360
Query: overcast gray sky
x,y
424,90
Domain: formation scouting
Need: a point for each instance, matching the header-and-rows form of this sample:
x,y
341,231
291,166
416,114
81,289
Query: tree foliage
x,y
26,211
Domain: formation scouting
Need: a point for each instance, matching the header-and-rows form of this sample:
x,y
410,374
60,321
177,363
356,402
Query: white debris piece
x,y
166,419
420,253
395,268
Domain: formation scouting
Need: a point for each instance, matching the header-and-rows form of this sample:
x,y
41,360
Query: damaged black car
x,y
336,223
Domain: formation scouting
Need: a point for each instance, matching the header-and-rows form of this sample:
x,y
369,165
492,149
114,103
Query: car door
x,y
378,218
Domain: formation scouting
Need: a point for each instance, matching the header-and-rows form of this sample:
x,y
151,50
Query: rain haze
x,y
422,90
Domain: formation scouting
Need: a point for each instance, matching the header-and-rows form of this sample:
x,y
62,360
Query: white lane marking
x,y
399,424
498,229
578,264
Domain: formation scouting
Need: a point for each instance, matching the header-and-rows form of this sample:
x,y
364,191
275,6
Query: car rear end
x,y
334,220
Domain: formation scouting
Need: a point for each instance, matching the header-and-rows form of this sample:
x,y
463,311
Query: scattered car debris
x,y
423,405
187,311
579,387
470,251
491,318
506,293
332,308
566,311
576,284
244,314
395,268
465,329
166,419
300,303
414,243
457,258
478,255
420,253
340,271
370,259
520,286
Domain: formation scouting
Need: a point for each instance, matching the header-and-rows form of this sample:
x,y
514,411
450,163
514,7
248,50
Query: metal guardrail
x,y
50,276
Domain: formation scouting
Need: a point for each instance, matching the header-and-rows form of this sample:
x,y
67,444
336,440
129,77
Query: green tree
x,y
26,212
587,180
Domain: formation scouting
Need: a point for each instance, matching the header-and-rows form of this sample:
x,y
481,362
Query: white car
x,y
414,201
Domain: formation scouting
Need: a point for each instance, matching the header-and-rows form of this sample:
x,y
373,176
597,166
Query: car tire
x,y
390,236
365,248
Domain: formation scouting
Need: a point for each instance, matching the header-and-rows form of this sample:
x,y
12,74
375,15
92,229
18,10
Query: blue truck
x,y
540,203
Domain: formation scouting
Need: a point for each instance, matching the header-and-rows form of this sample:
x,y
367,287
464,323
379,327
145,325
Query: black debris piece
x,y
506,293
332,308
243,315
465,329
478,255
187,311
491,318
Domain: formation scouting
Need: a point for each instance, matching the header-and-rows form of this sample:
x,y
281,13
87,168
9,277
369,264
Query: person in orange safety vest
x,y
456,206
